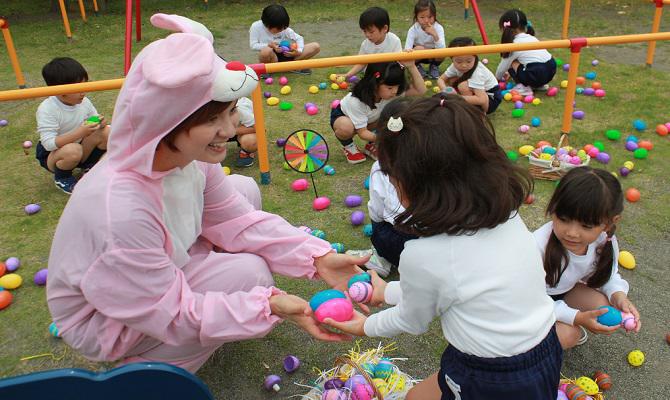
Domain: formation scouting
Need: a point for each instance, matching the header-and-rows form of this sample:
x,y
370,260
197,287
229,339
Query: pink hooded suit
x,y
133,275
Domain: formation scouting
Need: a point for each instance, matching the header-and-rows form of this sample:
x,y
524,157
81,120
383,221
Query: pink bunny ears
x,y
177,23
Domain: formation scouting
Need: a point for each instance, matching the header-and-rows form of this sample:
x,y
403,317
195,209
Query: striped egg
x,y
574,392
603,380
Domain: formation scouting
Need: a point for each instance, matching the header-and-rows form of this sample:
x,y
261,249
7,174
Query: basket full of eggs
x,y
551,163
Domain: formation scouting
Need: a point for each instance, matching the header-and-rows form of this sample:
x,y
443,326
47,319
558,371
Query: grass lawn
x,y
237,369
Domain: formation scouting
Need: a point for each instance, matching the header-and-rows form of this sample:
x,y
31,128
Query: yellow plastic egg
x,y
334,86
226,170
629,165
313,89
436,89
285,89
396,383
564,84
536,101
587,384
428,83
567,148
545,156
626,259
339,79
614,174
333,77
636,358
526,149
381,386
11,281
272,101
507,96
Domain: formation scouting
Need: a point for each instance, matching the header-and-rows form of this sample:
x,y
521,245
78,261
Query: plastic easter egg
x,y
353,79
536,101
603,157
632,138
549,150
589,92
396,383
280,142
272,382
645,144
355,380
603,380
536,121
353,200
323,85
336,309
325,295
566,67
561,396
611,318
283,80
318,233
580,80
334,104
428,84
10,281
590,75
272,101
334,86
613,134
338,247
267,95
631,146
321,203
285,106
518,104
312,110
31,209
5,299
518,113
578,114
361,277
343,85
329,170
382,386
509,85
332,77
334,394
12,264
629,164
552,91
526,149
285,89
636,358
313,89
334,383
529,199
3,267
512,155
360,292
269,80
574,392
639,125
384,369
357,218
436,89
587,384
564,84
27,144
366,183
545,156
299,185
626,259
623,171
53,330
628,321
523,129
362,392
662,130
579,90
40,277
640,153
507,96
3,123
599,93
528,99
367,230
226,170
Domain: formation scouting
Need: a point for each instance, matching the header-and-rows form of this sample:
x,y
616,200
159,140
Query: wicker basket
x,y
552,169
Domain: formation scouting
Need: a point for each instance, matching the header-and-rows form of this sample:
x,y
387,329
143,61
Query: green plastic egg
x,y
285,106
518,113
613,134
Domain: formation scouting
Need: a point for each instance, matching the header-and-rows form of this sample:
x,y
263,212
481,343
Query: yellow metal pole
x,y
575,53
466,7
45,91
261,138
4,26
66,22
82,10
655,26
566,19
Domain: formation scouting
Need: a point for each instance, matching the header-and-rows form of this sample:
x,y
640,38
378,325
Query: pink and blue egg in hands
x,y
611,318
333,304
361,292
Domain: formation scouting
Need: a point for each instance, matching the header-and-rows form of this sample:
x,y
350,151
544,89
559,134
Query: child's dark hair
x,y
390,73
464,41
423,5
275,16
374,16
63,71
592,197
511,22
447,164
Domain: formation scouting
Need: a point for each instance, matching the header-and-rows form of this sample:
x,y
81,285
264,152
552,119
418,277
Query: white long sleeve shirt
x,y
416,36
487,289
55,118
384,204
524,57
579,269
260,37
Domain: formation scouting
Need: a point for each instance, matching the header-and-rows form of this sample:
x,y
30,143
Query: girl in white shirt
x,y
580,253
426,33
528,68
359,110
471,79
474,265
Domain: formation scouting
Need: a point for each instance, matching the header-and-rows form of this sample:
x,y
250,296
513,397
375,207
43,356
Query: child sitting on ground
x,y
245,133
267,34
375,24
426,33
67,139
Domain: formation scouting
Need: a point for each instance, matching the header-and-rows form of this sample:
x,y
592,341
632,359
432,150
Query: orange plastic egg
x,y
3,268
5,299
603,380
581,80
344,85
662,130
645,144
597,85
632,195
517,97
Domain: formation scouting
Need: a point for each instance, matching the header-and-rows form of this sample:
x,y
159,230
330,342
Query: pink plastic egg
x,y
321,203
283,80
334,104
524,129
313,110
360,292
553,91
362,392
27,144
628,321
334,394
299,185
575,160
528,99
593,152
600,93
269,80
336,309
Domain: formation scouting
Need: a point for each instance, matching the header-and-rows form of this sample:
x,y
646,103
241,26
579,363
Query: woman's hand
x,y
623,303
336,269
589,320
353,327
296,310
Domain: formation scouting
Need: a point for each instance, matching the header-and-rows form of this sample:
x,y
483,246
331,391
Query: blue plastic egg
x,y
579,90
639,125
367,230
632,138
325,295
611,318
329,170
367,183
323,85
338,247
590,75
535,121
384,369
53,330
319,233
362,277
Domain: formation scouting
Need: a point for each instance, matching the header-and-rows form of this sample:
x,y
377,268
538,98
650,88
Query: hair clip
x,y
528,24
507,24
378,75
394,124
442,102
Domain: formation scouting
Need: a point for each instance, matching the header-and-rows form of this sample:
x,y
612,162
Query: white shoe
x,y
584,338
376,263
523,89
542,88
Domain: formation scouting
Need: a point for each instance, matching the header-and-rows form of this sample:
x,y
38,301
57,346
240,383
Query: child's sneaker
x,y
354,156
422,71
523,89
371,150
584,338
244,159
376,263
434,71
66,184
542,88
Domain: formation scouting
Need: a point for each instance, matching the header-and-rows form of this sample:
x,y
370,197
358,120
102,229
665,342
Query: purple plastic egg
x,y
589,92
272,382
334,383
357,218
623,171
336,309
518,104
631,146
566,67
31,209
353,79
578,114
321,203
291,363
603,157
40,277
4,122
308,105
595,62
355,380
12,264
281,142
269,80
267,95
334,394
353,200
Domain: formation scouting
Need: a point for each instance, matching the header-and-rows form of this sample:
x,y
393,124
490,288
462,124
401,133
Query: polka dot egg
x,y
587,384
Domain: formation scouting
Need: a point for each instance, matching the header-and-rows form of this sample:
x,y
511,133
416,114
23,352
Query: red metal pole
x,y
129,34
480,23
138,21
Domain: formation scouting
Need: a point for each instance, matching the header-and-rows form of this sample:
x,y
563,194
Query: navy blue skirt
x,y
534,74
534,374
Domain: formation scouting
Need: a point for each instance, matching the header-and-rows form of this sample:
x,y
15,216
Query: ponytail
x,y
555,260
507,37
605,254
511,22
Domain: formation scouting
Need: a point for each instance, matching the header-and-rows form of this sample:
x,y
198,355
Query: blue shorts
x,y
495,98
534,74
42,154
534,374
335,113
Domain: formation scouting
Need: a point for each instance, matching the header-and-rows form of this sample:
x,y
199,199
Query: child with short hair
x,y
67,139
359,110
471,79
267,34
426,33
245,133
580,253
528,68
375,24
474,264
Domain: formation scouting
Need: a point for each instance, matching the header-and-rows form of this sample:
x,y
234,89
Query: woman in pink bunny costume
x,y
158,256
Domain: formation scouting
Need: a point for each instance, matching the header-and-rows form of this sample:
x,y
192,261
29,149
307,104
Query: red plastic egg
x,y
5,299
662,130
3,268
632,195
